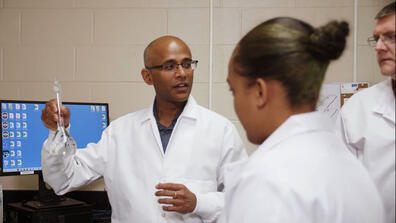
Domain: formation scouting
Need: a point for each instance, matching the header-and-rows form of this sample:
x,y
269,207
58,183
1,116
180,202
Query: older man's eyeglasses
x,y
173,66
386,39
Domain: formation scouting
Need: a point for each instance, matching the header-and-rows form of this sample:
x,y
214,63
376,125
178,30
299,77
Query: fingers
x,y
51,106
182,201
65,113
170,193
178,205
165,193
179,209
170,186
49,115
174,202
171,190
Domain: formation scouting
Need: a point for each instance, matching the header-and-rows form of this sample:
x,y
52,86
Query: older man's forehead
x,y
385,25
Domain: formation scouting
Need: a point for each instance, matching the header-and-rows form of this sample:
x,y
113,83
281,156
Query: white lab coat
x,y
302,173
130,158
367,125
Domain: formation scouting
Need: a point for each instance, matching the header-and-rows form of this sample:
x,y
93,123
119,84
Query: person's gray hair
x,y
387,10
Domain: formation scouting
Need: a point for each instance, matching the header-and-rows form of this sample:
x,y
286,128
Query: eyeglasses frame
x,y
386,39
161,67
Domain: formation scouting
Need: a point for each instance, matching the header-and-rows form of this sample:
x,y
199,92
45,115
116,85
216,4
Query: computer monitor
x,y
23,133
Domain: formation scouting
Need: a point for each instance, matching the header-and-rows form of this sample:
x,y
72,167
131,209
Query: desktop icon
x,y
12,153
17,106
25,134
12,162
4,106
18,125
18,134
19,144
6,154
23,106
24,116
17,115
12,134
5,135
24,125
12,144
11,125
11,115
4,115
4,125
36,107
10,106
19,153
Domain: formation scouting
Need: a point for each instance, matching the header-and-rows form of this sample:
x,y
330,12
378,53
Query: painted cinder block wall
x,y
94,48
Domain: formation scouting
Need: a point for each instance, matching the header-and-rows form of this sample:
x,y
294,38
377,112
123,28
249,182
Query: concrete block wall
x,y
94,48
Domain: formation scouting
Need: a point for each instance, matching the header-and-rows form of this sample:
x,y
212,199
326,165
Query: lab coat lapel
x,y
189,112
150,119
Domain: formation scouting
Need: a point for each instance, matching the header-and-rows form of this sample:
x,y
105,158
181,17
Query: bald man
x,y
161,164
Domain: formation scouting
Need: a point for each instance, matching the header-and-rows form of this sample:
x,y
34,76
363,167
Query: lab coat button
x,y
163,214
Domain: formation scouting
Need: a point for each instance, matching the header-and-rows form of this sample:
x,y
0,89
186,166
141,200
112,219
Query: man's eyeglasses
x,y
173,66
386,39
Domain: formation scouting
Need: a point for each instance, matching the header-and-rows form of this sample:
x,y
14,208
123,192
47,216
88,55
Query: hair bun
x,y
328,42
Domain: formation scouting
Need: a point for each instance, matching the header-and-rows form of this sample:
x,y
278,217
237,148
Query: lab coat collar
x,y
190,110
386,103
296,125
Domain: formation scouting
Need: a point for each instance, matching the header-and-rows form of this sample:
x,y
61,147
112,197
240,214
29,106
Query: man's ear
x,y
261,88
146,75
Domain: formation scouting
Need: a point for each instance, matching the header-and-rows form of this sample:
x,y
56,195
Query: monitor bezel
x,y
19,173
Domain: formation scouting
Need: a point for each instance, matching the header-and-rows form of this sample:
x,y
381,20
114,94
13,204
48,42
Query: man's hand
x,y
183,200
49,115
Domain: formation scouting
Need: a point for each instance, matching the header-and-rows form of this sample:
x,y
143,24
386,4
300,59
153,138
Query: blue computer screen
x,y
23,133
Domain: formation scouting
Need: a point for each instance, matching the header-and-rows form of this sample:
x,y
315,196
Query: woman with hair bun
x,y
301,171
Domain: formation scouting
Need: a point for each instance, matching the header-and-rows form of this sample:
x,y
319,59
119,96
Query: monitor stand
x,y
46,198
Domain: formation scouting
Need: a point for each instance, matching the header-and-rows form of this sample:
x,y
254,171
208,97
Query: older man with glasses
x,y
367,120
162,164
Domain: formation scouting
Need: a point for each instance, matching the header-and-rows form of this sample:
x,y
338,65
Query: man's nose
x,y
180,71
380,45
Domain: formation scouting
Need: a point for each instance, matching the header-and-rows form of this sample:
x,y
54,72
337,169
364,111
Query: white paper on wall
x,y
329,100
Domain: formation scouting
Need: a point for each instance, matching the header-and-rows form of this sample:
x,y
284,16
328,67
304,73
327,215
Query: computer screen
x,y
23,133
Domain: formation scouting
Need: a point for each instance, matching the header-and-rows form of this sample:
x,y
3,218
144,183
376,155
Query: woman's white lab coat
x,y
130,158
367,126
302,173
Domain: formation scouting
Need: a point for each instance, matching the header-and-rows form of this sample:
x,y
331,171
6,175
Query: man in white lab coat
x,y
367,120
160,164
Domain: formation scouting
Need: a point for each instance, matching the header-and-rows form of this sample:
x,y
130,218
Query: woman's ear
x,y
146,75
261,88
